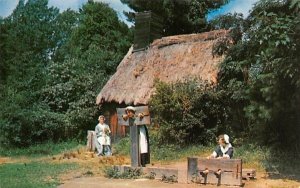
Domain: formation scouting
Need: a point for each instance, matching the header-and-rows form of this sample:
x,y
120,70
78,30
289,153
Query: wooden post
x,y
134,123
91,141
134,150
192,169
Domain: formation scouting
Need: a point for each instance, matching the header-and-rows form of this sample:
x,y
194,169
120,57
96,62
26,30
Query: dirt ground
x,y
90,174
101,182
94,164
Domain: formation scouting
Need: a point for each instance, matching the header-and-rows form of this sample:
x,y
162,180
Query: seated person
x,y
102,142
224,150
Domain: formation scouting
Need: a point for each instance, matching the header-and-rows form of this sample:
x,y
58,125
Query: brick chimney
x,y
148,27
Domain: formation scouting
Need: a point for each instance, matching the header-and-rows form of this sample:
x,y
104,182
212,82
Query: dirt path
x,y
101,182
98,181
94,165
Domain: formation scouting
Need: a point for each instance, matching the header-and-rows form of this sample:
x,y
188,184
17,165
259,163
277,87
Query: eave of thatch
x,y
168,59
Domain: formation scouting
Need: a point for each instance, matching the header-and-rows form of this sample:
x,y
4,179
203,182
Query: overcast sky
x,y
240,6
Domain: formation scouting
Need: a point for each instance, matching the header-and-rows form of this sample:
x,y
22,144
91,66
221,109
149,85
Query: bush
x,y
27,126
188,112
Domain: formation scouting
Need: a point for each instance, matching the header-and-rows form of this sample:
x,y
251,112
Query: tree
x,y
261,73
26,47
55,64
83,65
65,23
3,32
178,16
233,22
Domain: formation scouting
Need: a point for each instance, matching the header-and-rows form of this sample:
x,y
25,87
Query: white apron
x,y
143,140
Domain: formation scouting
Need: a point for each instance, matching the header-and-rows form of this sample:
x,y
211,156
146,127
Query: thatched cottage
x,y
168,59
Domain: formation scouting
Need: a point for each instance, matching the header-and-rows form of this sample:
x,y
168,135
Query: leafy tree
x,y
65,23
233,22
84,64
26,45
55,64
178,16
32,24
27,42
275,89
261,73
3,32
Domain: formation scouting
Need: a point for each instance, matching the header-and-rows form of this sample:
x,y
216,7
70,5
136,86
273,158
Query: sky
x,y
239,6
7,6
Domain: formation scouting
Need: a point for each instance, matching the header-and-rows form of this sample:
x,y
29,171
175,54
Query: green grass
x,y
39,150
253,156
122,146
173,152
34,174
163,152
277,163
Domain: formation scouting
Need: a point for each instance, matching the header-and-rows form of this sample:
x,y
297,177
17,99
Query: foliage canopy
x,y
178,16
261,72
52,66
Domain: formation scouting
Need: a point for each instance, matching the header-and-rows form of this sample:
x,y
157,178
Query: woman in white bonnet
x,y
102,142
224,149
144,148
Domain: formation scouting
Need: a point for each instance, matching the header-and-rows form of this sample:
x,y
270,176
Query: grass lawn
x,y
33,174
26,168
40,150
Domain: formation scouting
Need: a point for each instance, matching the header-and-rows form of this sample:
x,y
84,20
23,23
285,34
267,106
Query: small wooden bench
x,y
215,171
90,144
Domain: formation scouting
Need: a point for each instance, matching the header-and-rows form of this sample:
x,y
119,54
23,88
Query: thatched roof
x,y
169,59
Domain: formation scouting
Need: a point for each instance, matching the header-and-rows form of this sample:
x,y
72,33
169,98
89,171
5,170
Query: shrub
x,y
27,126
188,112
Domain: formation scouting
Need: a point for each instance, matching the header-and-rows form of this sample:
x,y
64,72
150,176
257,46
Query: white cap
x,y
226,138
130,108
